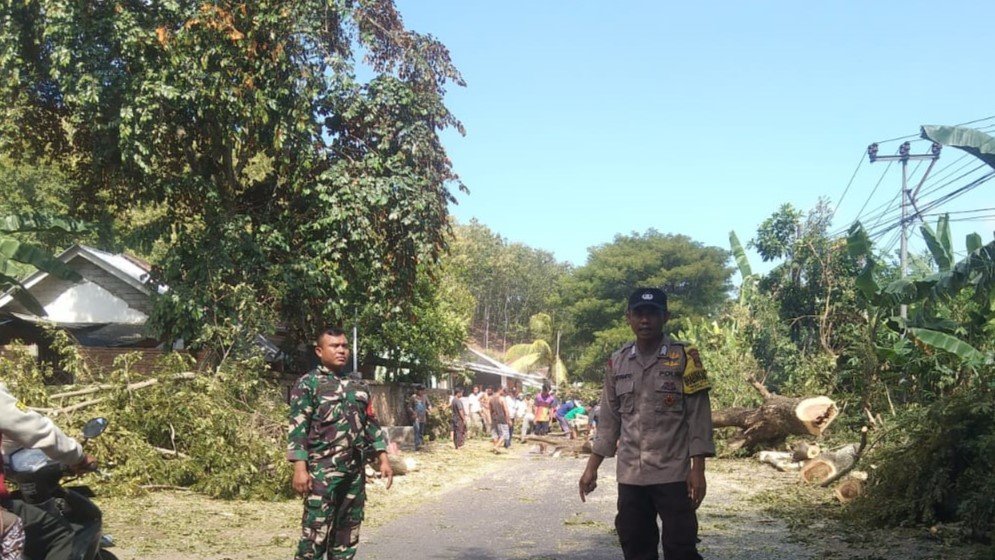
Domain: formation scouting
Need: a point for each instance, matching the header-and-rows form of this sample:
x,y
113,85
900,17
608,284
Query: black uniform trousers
x,y
638,532
46,536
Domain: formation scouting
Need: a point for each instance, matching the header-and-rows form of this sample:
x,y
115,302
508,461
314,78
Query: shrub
x,y
941,468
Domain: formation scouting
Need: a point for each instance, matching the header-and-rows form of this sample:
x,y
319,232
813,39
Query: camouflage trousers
x,y
333,510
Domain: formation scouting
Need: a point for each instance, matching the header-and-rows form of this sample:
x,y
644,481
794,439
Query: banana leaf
x,y
948,343
943,234
941,254
39,222
12,249
858,244
745,270
21,295
974,142
973,242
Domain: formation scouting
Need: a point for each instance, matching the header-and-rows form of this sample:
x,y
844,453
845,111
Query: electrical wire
x,y
849,184
874,190
917,136
934,203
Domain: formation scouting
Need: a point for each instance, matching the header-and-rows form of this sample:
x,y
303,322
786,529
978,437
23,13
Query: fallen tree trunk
x,y
777,418
829,463
560,445
780,460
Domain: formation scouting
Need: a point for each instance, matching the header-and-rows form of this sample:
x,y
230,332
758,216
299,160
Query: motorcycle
x,y
39,482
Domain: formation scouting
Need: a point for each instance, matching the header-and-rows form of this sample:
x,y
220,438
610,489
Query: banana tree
x,y
975,272
14,254
746,289
539,353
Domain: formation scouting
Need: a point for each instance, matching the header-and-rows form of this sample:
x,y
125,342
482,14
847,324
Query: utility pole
x,y
907,196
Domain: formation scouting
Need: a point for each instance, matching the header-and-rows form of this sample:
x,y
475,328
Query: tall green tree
x,y
695,277
262,164
511,282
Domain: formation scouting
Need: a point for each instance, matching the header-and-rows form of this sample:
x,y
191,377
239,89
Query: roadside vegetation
x,y
268,204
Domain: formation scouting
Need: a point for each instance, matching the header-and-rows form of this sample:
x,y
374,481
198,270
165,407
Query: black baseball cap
x,y
651,297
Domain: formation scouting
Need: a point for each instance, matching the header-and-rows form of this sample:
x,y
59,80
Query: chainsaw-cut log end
x,y
817,470
803,451
816,414
849,490
828,463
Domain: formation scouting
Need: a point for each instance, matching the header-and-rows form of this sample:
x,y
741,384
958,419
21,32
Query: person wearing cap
x,y
655,419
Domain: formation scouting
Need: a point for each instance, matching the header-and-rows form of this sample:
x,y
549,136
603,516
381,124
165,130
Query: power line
x,y
849,184
975,211
873,191
917,136
937,202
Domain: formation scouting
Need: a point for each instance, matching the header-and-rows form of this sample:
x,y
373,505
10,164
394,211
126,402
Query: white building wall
x,y
87,302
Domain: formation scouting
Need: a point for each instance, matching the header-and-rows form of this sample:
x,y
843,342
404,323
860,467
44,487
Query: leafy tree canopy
x,y
695,277
510,282
258,161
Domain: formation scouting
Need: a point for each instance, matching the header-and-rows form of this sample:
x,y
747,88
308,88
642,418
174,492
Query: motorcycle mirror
x,y
94,427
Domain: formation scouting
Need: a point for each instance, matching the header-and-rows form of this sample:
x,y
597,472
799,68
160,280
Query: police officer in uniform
x,y
656,419
331,429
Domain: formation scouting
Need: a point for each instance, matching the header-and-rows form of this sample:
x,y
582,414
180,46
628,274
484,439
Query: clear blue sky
x,y
588,119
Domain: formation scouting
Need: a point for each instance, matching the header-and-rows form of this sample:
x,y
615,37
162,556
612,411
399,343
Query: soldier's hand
x,y
588,482
386,471
302,479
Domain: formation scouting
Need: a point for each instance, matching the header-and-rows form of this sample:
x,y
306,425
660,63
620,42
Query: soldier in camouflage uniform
x,y
331,428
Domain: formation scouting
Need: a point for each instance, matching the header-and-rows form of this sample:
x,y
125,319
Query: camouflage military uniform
x,y
331,425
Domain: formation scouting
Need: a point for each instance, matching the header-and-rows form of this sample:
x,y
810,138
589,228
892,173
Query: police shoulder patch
x,y
695,379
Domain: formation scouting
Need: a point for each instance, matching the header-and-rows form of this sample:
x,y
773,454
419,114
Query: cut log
x,y
827,464
561,445
803,451
849,490
777,418
780,460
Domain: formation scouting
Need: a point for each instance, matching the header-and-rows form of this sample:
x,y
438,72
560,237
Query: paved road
x,y
529,509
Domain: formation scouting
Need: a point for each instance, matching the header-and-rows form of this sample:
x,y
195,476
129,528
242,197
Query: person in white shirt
x,y
46,536
476,421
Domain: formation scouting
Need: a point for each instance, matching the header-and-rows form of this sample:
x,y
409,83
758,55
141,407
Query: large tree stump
x,y
777,418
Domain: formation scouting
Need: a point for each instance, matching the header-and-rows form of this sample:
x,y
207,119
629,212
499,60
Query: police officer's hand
x,y
696,481
386,471
588,482
87,464
302,478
